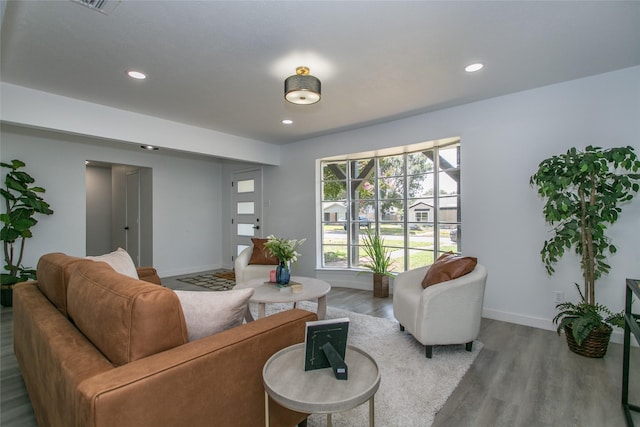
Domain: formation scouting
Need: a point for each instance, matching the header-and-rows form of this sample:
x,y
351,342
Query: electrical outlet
x,y
558,297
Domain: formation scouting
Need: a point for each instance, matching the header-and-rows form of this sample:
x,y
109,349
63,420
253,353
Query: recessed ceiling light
x,y
287,122
138,75
473,67
148,147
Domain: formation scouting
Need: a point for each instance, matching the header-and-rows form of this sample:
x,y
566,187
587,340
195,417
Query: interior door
x,y
247,208
132,220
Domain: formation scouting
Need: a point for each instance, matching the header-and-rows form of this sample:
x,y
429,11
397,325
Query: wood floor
x,y
523,377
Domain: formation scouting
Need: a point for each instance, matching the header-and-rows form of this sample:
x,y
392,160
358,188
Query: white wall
x,y
186,197
503,140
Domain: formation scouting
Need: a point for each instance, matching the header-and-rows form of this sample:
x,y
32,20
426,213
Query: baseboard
x,y
187,270
349,279
617,336
519,319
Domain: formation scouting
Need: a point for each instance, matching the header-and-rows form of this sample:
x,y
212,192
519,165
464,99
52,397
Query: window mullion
x,y
376,202
436,203
405,210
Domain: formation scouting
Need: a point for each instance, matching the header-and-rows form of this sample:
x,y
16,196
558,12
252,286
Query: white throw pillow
x,y
207,313
120,261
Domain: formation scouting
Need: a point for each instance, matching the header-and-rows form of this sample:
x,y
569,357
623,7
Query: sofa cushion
x,y
448,267
209,312
120,261
53,273
126,319
260,255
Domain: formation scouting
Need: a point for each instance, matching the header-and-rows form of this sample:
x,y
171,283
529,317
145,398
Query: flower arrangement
x,y
283,249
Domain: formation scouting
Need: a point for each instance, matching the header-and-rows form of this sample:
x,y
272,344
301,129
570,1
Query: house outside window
x,y
412,199
422,216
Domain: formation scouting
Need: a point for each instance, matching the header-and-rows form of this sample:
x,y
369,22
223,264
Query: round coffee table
x,y
268,293
318,391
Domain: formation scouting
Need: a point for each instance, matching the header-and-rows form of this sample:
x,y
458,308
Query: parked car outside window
x,y
363,222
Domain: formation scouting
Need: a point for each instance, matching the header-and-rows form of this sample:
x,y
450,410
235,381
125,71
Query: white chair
x,y
442,314
245,271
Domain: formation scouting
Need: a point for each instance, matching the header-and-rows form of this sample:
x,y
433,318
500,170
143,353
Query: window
x,y
411,198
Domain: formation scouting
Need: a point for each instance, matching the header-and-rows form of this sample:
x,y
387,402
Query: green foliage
x,y
380,260
584,317
22,202
283,249
583,191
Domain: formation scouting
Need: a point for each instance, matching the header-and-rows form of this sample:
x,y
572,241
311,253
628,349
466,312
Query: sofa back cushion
x,y
126,319
53,272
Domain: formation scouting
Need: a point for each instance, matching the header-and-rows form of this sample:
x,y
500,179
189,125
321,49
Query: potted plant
x,y
286,252
583,191
379,263
22,202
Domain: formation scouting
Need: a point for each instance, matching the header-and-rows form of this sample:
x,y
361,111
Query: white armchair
x,y
444,313
245,271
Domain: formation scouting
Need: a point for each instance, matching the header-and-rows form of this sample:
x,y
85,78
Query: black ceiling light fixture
x,y
302,88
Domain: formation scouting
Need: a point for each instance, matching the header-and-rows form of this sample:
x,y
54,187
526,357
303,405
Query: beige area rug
x,y
413,388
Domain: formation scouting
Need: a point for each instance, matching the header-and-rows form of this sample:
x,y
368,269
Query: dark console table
x,y
631,326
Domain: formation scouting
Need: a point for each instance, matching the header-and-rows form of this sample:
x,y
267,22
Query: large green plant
x,y
583,192
22,202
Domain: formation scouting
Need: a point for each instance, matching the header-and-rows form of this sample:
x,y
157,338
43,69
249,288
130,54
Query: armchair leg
x,y
428,350
401,328
468,346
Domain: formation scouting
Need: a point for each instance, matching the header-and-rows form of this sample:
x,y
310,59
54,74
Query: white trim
x,y
536,322
351,280
190,270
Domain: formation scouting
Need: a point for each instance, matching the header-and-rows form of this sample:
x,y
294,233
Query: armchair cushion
x,y
448,267
260,254
207,313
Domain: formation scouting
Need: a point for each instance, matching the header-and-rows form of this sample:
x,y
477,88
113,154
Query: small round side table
x,y
318,391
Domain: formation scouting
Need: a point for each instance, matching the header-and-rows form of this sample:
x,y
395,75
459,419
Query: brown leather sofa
x,y
97,348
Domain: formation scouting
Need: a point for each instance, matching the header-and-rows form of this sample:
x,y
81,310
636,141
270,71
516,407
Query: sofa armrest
x,y
148,274
216,380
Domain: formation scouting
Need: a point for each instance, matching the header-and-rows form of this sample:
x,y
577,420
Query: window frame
x,y
373,218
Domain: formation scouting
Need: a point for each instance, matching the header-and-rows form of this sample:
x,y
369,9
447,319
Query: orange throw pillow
x,y
260,255
448,267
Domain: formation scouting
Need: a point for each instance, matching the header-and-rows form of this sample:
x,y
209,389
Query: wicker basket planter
x,y
595,345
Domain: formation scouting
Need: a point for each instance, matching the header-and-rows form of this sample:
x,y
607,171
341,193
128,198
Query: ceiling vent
x,y
102,6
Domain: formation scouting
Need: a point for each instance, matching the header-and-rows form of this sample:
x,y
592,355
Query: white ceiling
x,y
222,64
